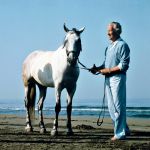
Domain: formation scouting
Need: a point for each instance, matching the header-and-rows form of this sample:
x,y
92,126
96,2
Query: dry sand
x,y
87,135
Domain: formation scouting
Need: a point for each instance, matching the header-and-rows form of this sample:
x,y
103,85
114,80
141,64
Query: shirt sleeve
x,y
124,57
103,64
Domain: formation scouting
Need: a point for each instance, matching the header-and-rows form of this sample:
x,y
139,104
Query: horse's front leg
x,y
70,92
40,108
54,131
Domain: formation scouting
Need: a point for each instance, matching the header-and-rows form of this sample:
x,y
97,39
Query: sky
x,y
28,25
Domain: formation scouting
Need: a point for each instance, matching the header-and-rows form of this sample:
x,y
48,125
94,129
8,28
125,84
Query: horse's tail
x,y
32,98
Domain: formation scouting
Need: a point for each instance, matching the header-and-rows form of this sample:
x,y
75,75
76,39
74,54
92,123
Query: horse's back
x,y
37,65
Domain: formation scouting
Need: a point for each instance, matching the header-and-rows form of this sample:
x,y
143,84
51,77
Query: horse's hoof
x,y
54,132
28,129
42,130
70,133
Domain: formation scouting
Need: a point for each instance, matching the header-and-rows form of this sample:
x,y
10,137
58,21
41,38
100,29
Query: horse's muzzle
x,y
72,62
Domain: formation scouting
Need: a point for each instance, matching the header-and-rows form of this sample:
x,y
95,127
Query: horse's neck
x,y
61,51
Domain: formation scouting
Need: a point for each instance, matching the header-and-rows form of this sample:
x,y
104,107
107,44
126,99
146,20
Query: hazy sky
x,y
28,25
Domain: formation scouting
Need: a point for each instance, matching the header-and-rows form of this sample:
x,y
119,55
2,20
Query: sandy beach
x,y
87,135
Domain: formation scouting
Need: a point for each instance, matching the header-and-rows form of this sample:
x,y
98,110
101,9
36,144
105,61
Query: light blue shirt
x,y
117,54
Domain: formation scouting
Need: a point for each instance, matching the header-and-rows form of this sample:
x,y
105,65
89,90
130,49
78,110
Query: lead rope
x,y
102,112
84,67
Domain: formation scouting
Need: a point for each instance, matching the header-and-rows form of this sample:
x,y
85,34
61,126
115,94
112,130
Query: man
x,y
115,66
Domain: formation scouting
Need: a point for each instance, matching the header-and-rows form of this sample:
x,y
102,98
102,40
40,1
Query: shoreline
x,y
139,124
87,135
83,110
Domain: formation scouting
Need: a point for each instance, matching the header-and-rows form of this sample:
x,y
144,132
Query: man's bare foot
x,y
114,138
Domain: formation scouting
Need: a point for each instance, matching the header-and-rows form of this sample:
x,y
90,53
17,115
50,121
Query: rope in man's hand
x,y
102,112
92,70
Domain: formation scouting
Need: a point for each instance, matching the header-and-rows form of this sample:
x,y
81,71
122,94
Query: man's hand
x,y
105,71
93,69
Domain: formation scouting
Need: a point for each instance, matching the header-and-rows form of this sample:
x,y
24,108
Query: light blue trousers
x,y
115,92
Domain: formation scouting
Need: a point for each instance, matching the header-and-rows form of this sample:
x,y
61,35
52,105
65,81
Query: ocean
x,y
86,108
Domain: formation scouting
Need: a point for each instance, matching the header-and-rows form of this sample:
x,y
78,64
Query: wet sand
x,y
87,135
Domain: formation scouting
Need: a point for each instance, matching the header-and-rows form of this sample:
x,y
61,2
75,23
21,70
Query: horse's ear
x,y
65,28
81,30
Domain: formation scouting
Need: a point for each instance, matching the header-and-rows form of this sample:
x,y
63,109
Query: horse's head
x,y
72,44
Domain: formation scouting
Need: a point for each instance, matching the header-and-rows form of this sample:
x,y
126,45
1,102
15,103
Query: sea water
x,y
135,108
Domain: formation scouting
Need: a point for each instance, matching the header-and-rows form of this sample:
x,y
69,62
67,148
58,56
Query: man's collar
x,y
115,42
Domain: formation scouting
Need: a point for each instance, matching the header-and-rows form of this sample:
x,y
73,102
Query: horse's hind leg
x,y
40,108
70,93
30,93
57,110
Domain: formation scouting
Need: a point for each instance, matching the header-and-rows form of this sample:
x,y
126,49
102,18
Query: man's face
x,y
111,33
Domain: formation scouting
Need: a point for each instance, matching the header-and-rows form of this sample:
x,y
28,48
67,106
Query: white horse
x,y
58,69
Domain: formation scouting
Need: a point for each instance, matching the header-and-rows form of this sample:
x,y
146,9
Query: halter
x,y
76,57
68,52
